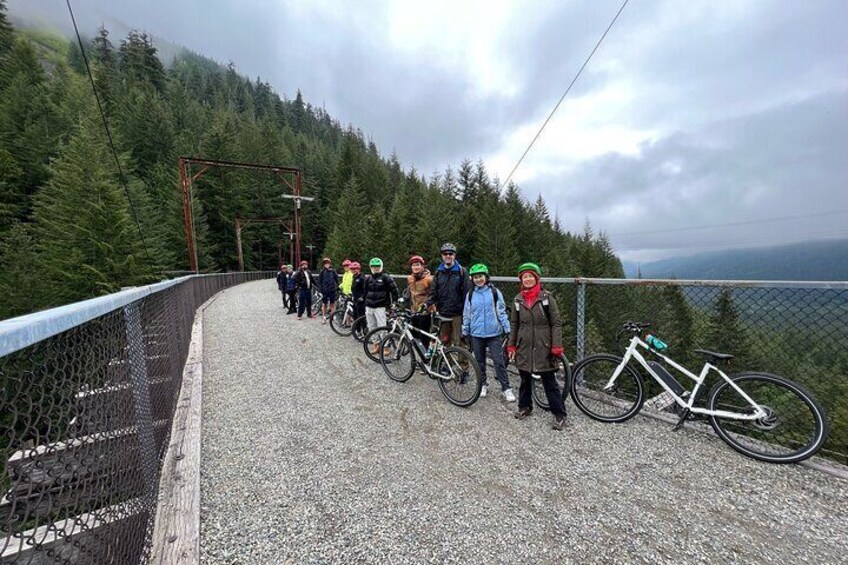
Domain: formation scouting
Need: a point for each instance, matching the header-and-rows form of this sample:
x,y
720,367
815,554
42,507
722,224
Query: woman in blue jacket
x,y
484,318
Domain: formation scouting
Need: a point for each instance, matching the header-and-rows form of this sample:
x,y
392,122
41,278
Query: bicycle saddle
x,y
715,355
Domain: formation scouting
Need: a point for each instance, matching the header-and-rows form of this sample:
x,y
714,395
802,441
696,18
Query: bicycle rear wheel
x,y
337,323
563,379
372,340
617,404
360,328
794,428
396,357
463,387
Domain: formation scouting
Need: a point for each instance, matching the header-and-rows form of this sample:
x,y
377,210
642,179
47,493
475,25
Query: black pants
x,y
304,302
292,299
525,392
285,298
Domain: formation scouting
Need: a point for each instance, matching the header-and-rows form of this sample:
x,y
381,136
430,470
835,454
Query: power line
x,y
111,142
731,224
567,90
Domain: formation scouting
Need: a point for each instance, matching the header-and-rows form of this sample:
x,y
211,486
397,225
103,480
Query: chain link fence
x,y
798,330
85,416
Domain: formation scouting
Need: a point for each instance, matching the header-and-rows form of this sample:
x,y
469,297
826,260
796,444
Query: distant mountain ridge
x,y
816,260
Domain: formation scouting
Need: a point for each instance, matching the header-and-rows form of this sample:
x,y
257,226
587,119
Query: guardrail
x,y
88,397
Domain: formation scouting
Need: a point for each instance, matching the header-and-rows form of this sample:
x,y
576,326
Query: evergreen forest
x,y
77,223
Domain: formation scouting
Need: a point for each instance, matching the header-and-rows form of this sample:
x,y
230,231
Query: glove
x,y
510,351
556,351
431,308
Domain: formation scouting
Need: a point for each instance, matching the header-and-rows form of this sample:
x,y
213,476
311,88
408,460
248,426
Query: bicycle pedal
x,y
683,416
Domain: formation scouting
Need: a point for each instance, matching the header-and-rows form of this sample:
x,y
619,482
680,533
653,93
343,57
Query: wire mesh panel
x,y
85,416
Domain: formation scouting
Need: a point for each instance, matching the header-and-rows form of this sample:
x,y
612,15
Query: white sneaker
x,y
484,391
508,395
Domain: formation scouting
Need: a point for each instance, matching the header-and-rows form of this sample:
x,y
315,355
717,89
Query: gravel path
x,y
312,455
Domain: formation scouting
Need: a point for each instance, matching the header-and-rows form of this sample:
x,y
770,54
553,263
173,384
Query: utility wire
x,y
567,90
111,142
731,224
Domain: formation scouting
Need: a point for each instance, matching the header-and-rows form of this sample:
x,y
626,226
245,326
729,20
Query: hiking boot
x,y
523,413
374,349
484,391
558,423
508,395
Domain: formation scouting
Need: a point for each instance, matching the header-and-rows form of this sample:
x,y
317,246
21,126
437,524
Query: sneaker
x,y
375,349
324,322
558,423
299,318
484,391
523,413
508,395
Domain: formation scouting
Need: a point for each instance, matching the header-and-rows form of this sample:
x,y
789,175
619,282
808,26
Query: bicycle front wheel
x,y
337,323
372,340
793,429
618,403
463,381
563,379
396,358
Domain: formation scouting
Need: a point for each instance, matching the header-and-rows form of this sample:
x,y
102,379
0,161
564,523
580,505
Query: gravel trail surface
x,y
312,455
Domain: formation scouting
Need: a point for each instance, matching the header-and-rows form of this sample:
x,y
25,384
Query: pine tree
x,y
725,332
347,238
87,240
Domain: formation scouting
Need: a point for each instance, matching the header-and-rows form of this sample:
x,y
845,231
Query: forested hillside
x,y
68,231
809,261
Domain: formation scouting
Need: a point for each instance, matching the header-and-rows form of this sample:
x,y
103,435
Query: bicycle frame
x,y
633,353
407,335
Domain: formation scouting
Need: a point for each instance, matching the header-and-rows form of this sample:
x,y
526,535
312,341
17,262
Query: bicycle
x,y
341,322
454,368
374,336
762,416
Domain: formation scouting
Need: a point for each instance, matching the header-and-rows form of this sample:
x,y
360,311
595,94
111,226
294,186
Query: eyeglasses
x,y
449,253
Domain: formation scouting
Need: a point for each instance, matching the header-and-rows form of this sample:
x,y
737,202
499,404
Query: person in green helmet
x,y
379,291
485,320
535,342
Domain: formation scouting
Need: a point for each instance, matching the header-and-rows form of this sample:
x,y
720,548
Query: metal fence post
x,y
141,400
581,320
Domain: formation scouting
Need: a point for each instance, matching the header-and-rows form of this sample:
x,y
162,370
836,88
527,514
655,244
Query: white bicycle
x,y
760,415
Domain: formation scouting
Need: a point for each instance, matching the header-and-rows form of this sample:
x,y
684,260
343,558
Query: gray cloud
x,y
746,101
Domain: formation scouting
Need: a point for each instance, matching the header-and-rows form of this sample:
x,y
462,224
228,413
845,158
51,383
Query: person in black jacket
x,y
282,284
328,284
379,291
303,282
291,290
448,290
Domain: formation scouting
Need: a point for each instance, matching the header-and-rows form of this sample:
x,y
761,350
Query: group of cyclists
x,y
470,306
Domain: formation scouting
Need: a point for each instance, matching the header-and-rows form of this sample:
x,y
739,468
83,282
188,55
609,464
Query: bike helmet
x,y
355,266
532,267
448,247
347,263
479,269
376,262
416,259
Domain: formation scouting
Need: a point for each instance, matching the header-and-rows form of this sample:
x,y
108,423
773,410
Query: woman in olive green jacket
x,y
535,342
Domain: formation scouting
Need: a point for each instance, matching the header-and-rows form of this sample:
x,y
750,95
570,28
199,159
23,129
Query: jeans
x,y
304,302
496,352
554,394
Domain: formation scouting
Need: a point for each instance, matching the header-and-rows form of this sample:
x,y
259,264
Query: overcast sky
x,y
721,113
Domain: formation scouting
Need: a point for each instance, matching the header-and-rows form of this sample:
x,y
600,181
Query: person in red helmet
x,y
418,288
535,342
328,285
346,285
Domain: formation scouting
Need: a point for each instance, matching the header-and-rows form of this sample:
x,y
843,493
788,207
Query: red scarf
x,y
530,294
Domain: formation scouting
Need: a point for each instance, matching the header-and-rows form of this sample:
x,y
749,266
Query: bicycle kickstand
x,y
683,415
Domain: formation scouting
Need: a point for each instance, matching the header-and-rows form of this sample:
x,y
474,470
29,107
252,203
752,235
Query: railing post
x,y
141,401
581,320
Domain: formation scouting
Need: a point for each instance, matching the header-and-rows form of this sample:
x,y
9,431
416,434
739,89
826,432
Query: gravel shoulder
x,y
310,454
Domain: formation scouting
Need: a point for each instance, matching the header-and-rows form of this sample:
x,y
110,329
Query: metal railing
x,y
795,329
87,398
